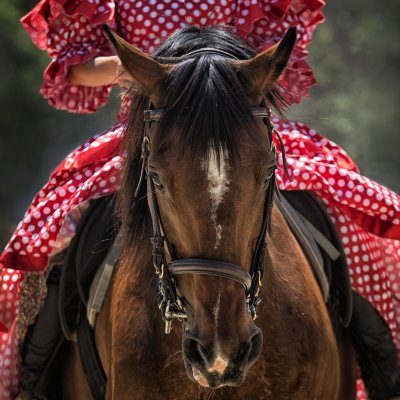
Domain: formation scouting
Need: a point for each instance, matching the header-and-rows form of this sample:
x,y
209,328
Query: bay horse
x,y
199,181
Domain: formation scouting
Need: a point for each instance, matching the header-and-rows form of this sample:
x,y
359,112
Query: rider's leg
x,y
41,340
376,351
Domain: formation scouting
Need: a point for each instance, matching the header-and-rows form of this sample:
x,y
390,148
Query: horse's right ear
x,y
146,73
259,74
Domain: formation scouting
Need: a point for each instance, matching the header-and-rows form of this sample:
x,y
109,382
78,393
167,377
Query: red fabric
x,y
50,14
70,31
366,214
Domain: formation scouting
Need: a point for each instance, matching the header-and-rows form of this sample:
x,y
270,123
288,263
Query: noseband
x,y
169,301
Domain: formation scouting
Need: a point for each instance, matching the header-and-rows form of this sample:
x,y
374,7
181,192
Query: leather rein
x,y
171,304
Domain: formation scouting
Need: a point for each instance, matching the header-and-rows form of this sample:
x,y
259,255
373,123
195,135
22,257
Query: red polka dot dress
x,y
366,214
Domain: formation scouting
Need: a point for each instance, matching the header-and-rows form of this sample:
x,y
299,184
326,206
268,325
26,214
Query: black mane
x,y
203,95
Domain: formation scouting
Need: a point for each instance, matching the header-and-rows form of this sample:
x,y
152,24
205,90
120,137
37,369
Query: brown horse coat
x,y
296,363
213,209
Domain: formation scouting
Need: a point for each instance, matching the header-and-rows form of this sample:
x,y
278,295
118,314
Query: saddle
x,y
84,285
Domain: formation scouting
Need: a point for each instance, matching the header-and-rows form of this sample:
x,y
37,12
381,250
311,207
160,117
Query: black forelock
x,y
203,95
192,38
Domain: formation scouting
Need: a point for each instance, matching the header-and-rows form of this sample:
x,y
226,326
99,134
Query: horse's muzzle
x,y
205,366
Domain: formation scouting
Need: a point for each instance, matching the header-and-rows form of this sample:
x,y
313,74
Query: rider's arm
x,y
99,71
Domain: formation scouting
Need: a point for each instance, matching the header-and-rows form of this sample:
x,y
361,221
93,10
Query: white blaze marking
x,y
217,308
217,187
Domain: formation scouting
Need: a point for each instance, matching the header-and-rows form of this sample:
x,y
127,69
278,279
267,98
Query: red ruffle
x,y
62,95
45,14
69,30
265,24
298,78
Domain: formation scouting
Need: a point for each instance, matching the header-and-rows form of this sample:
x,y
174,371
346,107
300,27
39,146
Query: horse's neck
x,y
130,311
130,332
289,286
134,348
285,261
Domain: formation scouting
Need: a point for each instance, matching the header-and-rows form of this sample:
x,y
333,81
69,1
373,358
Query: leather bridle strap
x,y
203,266
170,303
209,50
258,112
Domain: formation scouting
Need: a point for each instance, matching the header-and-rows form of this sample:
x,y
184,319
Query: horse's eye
x,y
270,174
156,180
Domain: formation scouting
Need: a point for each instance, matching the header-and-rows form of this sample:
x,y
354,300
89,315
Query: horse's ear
x,y
260,72
146,73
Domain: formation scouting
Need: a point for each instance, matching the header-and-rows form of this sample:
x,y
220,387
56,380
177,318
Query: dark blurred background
x,y
355,57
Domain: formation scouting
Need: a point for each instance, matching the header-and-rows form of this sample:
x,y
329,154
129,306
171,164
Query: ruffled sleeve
x,y
70,31
264,23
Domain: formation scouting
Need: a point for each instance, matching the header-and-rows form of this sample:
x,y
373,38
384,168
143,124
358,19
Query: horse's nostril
x,y
193,351
244,351
203,351
255,347
250,351
203,361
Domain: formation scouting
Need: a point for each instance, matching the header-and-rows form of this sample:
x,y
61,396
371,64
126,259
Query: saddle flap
x,y
101,282
94,236
335,268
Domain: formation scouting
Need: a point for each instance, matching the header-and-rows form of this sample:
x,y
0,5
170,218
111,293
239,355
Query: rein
x,y
169,301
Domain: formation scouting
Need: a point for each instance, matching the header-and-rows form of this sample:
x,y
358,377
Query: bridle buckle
x,y
170,314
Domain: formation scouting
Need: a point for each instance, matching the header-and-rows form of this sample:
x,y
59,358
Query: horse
x,y
199,181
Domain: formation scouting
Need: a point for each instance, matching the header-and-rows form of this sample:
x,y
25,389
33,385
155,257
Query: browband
x,y
155,115
209,50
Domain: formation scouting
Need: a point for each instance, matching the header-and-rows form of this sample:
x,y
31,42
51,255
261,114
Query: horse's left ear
x,y
146,72
260,72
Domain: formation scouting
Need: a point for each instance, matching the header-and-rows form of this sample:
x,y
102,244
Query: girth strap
x,y
91,363
313,256
203,266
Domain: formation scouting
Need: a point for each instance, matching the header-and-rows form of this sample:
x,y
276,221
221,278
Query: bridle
x,y
169,301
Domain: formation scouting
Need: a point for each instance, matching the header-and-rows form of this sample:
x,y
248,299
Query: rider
x,y
79,78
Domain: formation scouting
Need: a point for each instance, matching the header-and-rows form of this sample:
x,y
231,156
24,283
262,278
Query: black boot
x,y
377,354
42,340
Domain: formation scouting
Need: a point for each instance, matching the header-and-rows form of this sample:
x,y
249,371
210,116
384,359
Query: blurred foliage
x,y
354,55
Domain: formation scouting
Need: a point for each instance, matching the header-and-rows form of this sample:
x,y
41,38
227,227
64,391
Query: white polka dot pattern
x,y
47,228
70,31
367,215
9,343
361,392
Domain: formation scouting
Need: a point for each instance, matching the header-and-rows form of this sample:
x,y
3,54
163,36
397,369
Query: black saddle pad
x,y
93,238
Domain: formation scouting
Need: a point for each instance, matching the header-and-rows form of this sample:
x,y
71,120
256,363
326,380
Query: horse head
x,y
207,165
